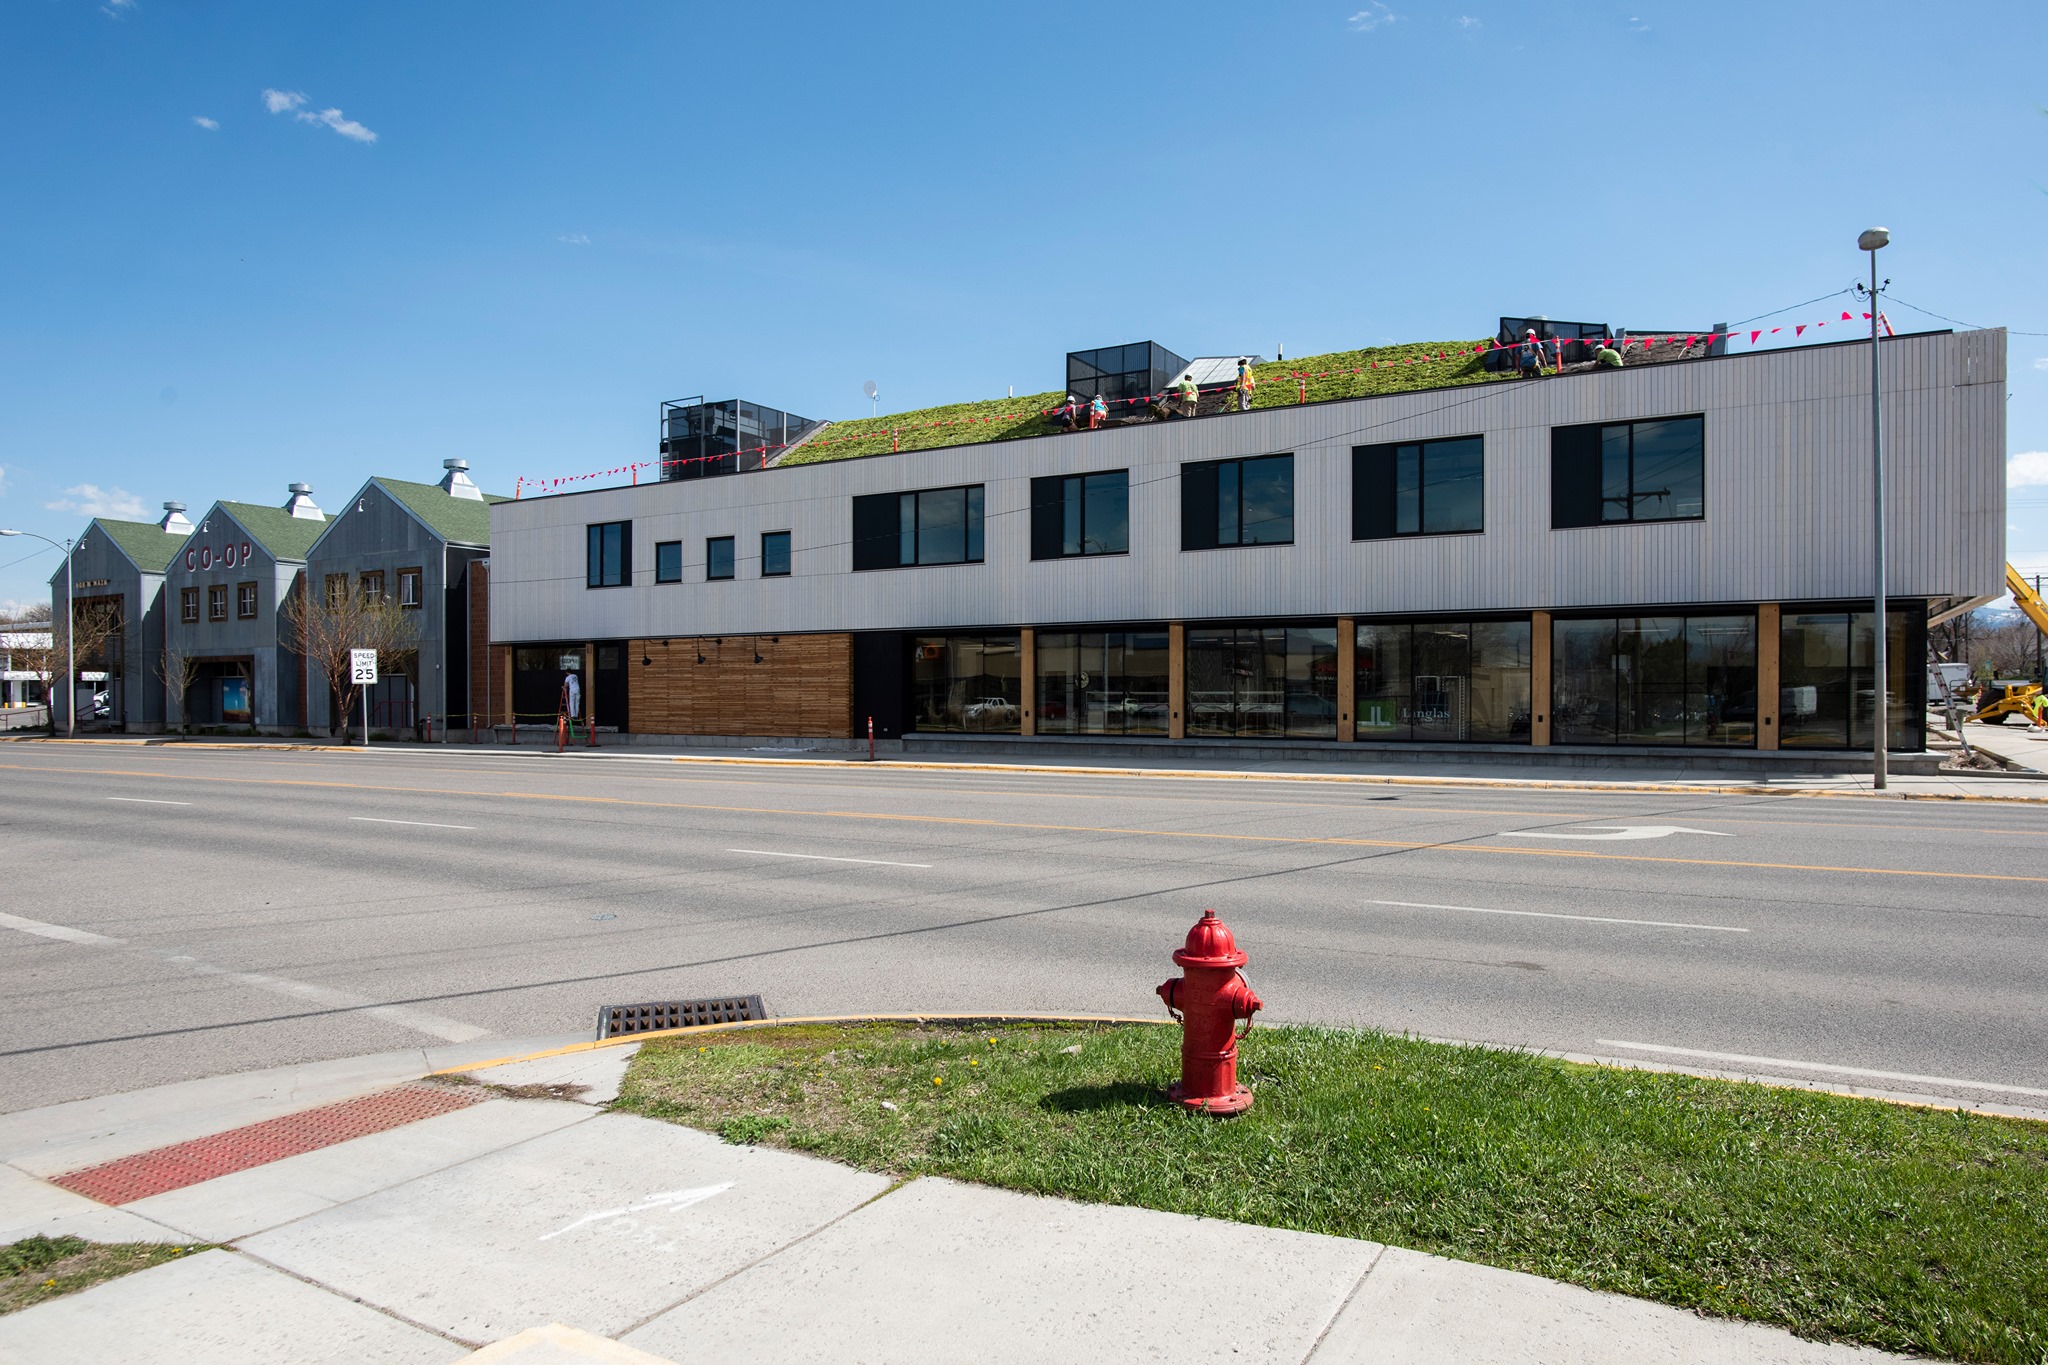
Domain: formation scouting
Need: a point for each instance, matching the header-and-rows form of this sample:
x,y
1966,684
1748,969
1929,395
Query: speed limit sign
x,y
362,666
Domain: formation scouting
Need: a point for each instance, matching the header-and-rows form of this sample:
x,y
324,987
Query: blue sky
x,y
248,243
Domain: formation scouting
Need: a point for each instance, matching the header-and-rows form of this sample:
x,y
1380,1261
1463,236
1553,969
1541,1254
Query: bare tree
x,y
324,627
179,671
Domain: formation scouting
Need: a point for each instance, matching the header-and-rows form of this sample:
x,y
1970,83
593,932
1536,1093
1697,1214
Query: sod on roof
x,y
1339,374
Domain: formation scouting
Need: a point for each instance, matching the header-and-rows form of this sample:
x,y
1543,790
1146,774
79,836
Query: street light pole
x,y
1873,240
70,641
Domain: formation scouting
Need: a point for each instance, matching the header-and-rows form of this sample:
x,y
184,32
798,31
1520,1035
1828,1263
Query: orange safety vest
x,y
1245,380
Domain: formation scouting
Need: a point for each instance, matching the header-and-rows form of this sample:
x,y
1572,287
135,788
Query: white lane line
x,y
1747,1060
1612,832
145,801
1552,914
56,931
420,1021
422,824
821,858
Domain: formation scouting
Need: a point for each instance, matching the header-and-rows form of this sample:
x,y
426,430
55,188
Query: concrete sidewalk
x,y
538,1230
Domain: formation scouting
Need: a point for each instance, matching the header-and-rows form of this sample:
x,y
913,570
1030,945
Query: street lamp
x,y
1873,240
70,655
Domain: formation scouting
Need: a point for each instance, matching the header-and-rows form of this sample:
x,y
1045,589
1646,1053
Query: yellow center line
x,y
975,822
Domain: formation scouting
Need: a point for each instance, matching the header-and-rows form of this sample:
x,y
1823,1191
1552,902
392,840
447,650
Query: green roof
x,y
149,545
1339,374
459,521
278,531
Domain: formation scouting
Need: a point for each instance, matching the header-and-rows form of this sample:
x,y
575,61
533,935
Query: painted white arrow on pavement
x,y
1612,832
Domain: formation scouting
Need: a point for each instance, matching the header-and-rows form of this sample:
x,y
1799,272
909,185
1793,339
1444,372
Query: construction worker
x,y
1245,384
572,699
1607,355
1190,395
1532,355
1098,411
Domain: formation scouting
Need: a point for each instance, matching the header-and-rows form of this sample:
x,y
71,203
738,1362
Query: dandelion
x,y
938,1080
972,1062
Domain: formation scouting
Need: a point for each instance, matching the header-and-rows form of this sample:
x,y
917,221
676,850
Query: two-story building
x,y
117,573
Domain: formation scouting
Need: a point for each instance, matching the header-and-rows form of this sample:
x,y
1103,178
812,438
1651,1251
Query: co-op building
x,y
1676,555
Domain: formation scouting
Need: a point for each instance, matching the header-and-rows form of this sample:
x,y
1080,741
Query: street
x,y
170,914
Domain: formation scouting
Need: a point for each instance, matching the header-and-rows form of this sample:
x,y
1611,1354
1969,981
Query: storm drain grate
x,y
614,1020
258,1144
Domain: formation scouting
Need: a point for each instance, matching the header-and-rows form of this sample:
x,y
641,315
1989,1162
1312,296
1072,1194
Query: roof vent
x,y
302,505
174,521
456,484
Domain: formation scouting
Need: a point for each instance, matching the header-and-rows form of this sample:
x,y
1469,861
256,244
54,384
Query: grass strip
x,y
1841,1219
38,1268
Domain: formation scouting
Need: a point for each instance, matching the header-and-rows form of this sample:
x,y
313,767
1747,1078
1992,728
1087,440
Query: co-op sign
x,y
229,555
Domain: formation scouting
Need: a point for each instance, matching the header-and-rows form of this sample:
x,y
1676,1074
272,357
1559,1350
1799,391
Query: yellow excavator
x,y
2004,698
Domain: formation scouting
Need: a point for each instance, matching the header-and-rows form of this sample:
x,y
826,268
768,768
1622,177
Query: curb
x,y
167,741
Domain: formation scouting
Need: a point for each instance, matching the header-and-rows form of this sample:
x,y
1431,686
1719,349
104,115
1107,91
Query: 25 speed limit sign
x,y
362,666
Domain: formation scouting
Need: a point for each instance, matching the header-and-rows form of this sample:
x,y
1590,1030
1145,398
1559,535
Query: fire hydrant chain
x,y
1208,1001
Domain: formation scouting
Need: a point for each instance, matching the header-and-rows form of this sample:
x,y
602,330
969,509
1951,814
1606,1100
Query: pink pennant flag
x,y
1847,318
1799,329
1752,341
1689,341
1776,330
1866,317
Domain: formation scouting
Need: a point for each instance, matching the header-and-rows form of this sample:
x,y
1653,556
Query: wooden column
x,y
1539,677
511,716
1347,678
589,683
1767,675
1027,661
1176,680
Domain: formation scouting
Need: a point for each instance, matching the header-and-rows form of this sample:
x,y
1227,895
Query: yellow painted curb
x,y
982,1016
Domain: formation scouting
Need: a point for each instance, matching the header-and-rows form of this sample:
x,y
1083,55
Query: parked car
x,y
989,712
102,706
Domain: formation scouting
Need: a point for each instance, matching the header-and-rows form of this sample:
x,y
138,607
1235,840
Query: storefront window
x,y
1102,683
1826,679
966,682
1438,681
1661,680
1261,681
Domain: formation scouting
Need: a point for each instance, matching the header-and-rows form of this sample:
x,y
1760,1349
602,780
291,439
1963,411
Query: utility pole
x,y
1872,240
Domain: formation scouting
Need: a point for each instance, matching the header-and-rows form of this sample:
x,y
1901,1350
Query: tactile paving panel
x,y
614,1020
188,1163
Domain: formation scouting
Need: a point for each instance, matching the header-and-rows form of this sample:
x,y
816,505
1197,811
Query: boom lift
x,y
2004,698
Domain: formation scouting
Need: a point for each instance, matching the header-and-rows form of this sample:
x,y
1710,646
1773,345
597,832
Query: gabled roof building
x,y
120,566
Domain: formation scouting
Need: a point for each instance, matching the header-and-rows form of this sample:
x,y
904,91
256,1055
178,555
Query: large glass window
x,y
1262,681
966,682
1102,682
718,558
1081,514
1826,672
774,554
931,526
1443,680
1661,680
1421,488
1614,472
668,561
608,556
1237,502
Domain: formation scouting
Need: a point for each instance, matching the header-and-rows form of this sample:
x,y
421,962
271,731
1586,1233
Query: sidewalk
x,y
507,1226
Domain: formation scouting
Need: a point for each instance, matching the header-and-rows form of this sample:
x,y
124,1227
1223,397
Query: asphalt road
x,y
173,913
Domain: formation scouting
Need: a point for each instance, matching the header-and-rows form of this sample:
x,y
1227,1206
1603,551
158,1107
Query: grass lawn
x,y
1908,1229
38,1268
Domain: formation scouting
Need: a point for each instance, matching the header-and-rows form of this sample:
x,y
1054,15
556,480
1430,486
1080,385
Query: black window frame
x,y
1376,488
595,574
1052,496
1578,500
668,561
784,554
712,544
879,528
1203,498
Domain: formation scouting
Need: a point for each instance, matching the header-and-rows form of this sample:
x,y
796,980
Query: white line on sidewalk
x,y
145,801
1747,1060
422,824
57,931
821,858
1552,914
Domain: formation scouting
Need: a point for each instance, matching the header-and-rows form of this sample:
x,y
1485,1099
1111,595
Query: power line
x,y
1957,322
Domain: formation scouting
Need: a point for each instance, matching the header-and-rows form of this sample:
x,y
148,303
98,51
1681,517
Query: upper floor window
x,y
373,586
668,561
1418,488
931,526
337,590
245,601
188,606
718,557
1610,472
217,602
1237,502
1081,514
608,561
409,588
774,554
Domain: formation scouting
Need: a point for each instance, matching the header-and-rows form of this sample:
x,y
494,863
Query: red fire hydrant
x,y
1208,1001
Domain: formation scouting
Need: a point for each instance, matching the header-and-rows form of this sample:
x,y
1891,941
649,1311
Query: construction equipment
x,y
2029,601
2004,697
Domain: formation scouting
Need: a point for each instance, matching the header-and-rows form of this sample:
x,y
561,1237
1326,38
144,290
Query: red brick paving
x,y
188,1163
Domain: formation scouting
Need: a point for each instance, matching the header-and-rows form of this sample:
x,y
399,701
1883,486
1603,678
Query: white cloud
x,y
1467,21
2042,363
279,101
1371,17
293,102
210,125
3,479
113,9
574,239
1636,25
90,500
2028,469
